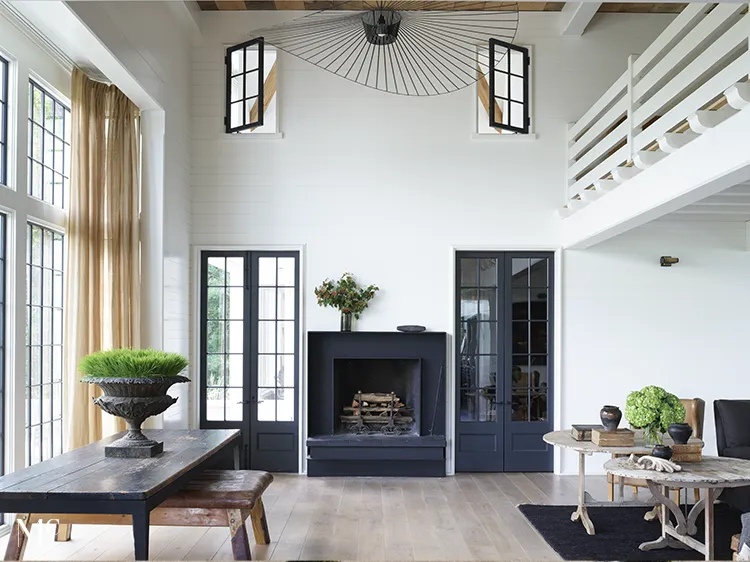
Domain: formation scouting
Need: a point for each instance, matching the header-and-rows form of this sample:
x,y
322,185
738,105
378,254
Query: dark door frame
x,y
250,343
554,256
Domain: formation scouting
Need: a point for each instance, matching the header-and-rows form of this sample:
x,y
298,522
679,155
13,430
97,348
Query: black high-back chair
x,y
732,419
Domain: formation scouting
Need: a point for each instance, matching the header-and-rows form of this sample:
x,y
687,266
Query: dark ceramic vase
x,y
134,400
610,416
680,432
662,452
346,321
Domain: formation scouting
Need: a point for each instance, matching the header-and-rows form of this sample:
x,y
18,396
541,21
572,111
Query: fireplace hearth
x,y
376,404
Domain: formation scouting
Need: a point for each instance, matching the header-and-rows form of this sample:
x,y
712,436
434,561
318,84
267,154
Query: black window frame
x,y
259,98
493,71
63,138
55,306
5,72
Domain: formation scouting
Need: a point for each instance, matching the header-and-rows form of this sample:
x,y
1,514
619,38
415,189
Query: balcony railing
x,y
690,79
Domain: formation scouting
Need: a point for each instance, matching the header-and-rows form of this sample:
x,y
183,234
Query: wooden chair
x,y
218,498
695,409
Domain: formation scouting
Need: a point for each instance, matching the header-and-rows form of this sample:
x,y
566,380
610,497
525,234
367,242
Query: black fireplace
x,y
376,404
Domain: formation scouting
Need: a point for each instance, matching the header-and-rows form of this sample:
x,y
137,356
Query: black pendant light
x,y
416,48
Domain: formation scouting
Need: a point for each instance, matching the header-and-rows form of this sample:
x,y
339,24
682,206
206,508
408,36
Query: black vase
x,y
662,452
680,432
346,321
610,416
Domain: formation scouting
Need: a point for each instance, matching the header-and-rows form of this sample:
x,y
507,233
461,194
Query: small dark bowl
x,y
410,329
662,452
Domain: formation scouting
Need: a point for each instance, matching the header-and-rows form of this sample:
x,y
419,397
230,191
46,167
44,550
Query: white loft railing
x,y
690,79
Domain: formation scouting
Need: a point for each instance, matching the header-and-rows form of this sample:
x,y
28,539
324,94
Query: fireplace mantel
x,y
333,452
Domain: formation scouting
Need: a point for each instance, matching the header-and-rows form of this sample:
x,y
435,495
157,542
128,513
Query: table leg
x,y
709,515
141,533
19,536
236,452
582,513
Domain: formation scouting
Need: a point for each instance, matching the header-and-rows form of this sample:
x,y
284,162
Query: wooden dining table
x,y
85,481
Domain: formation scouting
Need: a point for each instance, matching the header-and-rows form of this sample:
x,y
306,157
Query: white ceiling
x,y
730,205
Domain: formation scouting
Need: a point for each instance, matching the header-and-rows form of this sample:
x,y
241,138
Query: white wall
x,y
384,185
152,43
628,322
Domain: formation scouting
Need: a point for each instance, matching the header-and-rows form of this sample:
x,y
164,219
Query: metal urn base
x,y
134,400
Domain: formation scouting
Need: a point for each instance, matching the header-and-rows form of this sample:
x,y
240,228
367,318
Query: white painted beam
x,y
646,158
738,96
188,13
621,174
605,185
713,162
576,16
672,142
703,120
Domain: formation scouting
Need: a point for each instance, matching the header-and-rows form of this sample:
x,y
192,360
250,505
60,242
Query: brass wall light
x,y
668,261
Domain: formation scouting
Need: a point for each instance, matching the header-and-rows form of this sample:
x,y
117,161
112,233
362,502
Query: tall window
x,y
49,146
3,121
44,319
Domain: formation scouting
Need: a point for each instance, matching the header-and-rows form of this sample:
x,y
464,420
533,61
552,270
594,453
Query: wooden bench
x,y
217,498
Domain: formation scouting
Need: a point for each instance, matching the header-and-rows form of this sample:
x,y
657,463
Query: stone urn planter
x,y
134,383
134,400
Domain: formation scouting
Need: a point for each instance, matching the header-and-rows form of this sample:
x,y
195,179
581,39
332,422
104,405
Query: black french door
x,y
249,360
504,374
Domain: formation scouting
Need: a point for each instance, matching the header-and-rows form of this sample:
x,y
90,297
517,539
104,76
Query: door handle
x,y
243,402
501,403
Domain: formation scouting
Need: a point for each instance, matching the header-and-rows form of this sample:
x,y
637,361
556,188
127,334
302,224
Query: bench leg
x,y
238,535
62,532
18,537
260,524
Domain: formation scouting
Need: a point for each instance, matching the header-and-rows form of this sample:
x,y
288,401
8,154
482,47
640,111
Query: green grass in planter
x,y
132,363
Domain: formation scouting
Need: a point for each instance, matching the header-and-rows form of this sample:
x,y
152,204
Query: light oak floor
x,y
466,517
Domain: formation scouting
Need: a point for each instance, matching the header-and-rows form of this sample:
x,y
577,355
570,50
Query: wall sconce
x,y
668,261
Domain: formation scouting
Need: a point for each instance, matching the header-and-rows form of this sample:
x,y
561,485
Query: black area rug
x,y
619,532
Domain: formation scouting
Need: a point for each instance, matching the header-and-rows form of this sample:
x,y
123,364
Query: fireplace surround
x,y
412,368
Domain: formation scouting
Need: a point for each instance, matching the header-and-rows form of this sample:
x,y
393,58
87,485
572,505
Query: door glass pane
x,y
520,310
488,272
520,335
469,272
235,336
286,304
468,404
539,304
285,404
267,304
286,272
266,404
216,272
215,303
520,405
267,370
487,342
266,337
215,404
285,370
538,409
538,337
468,375
235,306
235,272
234,404
235,367
267,272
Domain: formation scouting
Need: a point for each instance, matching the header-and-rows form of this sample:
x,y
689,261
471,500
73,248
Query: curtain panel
x,y
102,289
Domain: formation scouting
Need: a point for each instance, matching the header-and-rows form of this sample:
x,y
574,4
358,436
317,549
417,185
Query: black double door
x,y
249,360
504,369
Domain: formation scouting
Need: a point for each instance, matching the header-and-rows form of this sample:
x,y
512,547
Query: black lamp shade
x,y
381,26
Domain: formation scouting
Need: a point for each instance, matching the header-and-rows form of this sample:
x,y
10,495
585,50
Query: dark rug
x,y
619,532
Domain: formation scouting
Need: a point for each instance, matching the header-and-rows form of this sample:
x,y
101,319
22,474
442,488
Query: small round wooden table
x,y
711,475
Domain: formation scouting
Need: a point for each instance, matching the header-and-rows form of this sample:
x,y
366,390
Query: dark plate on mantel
x,y
410,329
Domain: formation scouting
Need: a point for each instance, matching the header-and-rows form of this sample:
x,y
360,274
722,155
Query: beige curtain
x,y
102,292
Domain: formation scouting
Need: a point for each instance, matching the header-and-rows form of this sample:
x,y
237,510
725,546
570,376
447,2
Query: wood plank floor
x,y
466,517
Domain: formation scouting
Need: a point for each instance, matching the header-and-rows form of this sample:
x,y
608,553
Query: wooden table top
x,y
86,473
564,439
711,472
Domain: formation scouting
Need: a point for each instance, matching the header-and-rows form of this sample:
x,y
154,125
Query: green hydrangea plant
x,y
653,409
